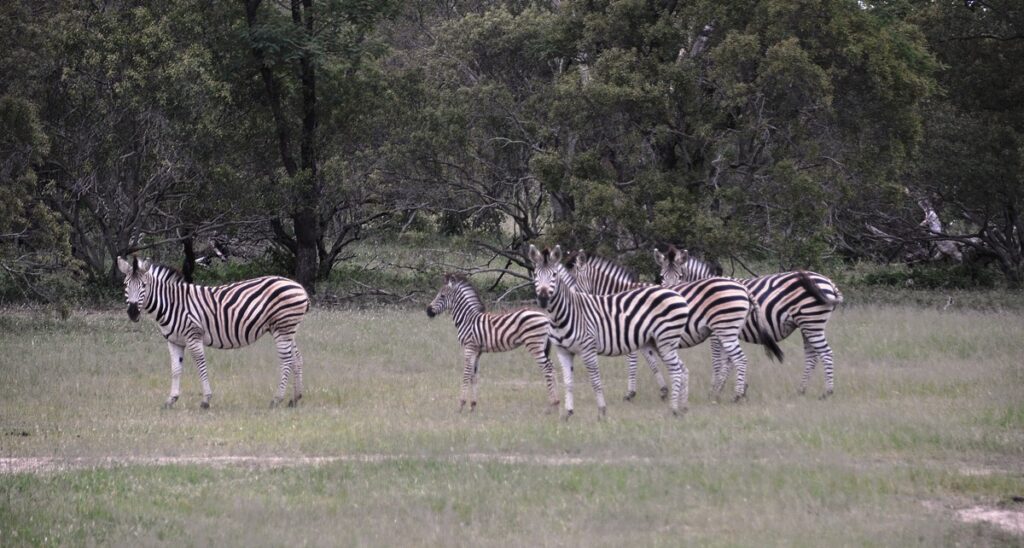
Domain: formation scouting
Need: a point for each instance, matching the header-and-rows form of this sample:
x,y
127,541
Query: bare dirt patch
x,y
41,465
1007,520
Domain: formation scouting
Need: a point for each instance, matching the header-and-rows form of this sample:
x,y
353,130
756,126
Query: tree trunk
x,y
307,234
188,264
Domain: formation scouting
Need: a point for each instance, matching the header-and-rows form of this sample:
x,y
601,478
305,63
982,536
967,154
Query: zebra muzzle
x,y
133,312
430,312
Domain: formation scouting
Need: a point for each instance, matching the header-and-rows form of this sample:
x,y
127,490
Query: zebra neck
x,y
164,294
465,312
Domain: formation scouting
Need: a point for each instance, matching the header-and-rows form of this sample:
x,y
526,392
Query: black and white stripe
x,y
227,316
789,300
608,325
480,331
719,307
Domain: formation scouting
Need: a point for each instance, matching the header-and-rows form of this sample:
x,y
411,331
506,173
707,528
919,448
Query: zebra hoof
x,y
169,404
679,412
801,391
205,405
602,413
826,395
567,415
551,408
462,405
629,395
293,402
664,393
274,403
472,406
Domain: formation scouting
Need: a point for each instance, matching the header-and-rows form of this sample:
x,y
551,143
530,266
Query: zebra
x,y
790,300
480,331
225,316
608,325
719,307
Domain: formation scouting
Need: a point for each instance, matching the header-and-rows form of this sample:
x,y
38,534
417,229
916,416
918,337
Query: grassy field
x,y
928,420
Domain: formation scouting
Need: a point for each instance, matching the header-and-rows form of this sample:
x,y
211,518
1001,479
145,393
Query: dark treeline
x,y
794,131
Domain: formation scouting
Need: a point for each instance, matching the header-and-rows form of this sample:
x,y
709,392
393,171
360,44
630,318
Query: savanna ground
x,y
927,425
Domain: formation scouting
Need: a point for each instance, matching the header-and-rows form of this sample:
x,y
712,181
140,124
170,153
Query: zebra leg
x,y
810,360
719,368
469,355
731,345
680,377
590,360
476,377
631,378
285,354
195,347
297,362
652,362
565,357
814,341
547,369
177,360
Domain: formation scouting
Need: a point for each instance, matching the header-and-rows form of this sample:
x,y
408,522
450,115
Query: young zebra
x,y
480,331
719,307
608,325
790,300
225,316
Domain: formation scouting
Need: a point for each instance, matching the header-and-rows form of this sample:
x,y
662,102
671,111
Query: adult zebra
x,y
790,300
608,325
719,307
480,331
225,316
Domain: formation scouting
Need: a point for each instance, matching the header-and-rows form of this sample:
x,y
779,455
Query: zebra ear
x,y
143,266
659,257
581,258
535,256
681,256
124,266
556,254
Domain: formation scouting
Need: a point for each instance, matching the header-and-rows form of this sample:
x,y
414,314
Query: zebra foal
x,y
790,300
608,325
225,316
480,331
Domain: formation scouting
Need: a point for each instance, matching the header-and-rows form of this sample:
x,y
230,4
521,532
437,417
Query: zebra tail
x,y
815,291
547,348
771,346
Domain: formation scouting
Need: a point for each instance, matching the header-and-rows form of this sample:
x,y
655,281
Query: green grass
x,y
928,419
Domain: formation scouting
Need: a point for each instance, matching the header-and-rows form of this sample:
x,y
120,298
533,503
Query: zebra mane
x,y
461,283
166,273
607,265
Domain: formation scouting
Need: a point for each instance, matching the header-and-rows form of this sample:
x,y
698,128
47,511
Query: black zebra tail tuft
x,y
771,346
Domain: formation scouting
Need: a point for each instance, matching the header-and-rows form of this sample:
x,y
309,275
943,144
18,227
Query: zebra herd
x,y
590,307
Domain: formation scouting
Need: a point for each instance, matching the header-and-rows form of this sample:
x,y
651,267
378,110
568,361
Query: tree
x,y
293,51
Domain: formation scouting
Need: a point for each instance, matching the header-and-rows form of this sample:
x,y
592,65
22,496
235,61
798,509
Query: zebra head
x,y
547,269
673,265
576,262
136,277
443,300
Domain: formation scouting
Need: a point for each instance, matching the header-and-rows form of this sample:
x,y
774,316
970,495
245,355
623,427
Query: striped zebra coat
x,y
790,301
608,325
480,331
226,316
719,307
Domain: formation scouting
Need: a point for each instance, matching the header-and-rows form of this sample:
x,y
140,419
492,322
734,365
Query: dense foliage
x,y
794,132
